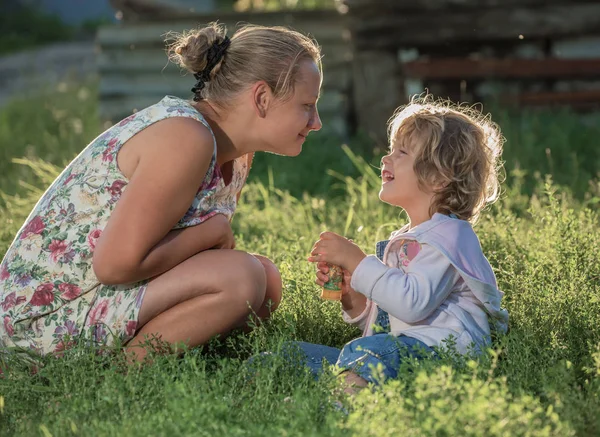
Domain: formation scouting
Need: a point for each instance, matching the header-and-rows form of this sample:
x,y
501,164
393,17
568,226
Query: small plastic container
x,y
332,289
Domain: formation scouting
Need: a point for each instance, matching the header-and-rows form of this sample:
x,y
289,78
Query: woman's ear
x,y
262,98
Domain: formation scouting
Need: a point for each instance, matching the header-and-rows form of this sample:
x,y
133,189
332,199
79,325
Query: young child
x,y
430,282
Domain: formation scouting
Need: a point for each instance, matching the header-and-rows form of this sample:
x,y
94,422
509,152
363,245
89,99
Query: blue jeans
x,y
364,355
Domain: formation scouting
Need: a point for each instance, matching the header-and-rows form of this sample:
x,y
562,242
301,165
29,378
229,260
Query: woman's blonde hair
x,y
256,53
457,153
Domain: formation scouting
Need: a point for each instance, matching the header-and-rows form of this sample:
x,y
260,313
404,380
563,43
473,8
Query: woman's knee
x,y
248,279
274,283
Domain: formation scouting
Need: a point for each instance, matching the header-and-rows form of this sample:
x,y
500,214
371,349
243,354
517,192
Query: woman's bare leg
x,y
274,287
208,294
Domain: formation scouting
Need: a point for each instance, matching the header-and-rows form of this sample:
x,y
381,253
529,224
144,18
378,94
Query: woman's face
x,y
288,122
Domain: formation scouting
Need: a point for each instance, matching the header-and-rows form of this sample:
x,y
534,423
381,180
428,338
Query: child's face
x,y
399,183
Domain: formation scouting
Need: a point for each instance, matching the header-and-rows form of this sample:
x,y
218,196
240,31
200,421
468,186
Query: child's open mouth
x,y
386,176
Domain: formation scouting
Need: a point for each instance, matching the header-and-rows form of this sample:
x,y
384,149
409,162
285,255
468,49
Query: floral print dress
x,y
49,294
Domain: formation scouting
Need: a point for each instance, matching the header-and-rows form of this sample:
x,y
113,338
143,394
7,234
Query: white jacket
x,y
448,289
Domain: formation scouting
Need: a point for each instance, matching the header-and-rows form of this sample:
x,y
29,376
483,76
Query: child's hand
x,y
335,249
352,301
323,269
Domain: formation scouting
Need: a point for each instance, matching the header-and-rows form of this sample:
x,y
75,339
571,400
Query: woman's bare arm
x,y
137,242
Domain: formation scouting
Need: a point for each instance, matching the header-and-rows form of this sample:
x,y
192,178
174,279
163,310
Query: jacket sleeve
x,y
410,296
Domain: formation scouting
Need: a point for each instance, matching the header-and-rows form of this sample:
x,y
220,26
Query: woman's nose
x,y
315,121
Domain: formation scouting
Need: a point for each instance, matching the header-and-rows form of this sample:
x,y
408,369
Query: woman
x,y
118,246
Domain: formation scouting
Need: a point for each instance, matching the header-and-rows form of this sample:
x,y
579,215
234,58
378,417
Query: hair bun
x,y
190,49
223,67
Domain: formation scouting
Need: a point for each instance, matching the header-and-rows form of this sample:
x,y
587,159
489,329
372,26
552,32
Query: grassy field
x,y
542,379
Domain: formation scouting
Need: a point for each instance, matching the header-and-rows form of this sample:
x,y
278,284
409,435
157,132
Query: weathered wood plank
x,y
144,59
134,61
272,18
460,68
581,47
118,85
153,34
575,99
150,82
138,9
331,104
412,29
377,91
143,9
359,7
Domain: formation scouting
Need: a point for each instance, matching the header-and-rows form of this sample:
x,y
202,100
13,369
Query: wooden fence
x,y
523,52
135,72
378,53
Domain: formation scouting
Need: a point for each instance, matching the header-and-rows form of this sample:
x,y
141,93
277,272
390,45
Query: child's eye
x,y
397,152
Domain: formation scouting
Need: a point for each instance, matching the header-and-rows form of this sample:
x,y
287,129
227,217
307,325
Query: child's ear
x,y
440,185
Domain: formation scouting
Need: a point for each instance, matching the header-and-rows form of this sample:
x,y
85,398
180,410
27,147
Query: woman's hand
x,y
220,226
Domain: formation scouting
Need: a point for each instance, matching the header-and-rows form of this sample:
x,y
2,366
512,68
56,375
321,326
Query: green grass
x,y
542,379
28,27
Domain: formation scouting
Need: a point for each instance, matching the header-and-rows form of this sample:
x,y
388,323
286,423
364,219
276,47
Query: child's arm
x,y
410,296
354,304
355,309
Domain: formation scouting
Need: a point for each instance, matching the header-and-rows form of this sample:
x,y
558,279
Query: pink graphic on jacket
x,y
409,250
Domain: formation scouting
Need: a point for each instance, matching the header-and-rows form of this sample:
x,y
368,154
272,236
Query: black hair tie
x,y
214,56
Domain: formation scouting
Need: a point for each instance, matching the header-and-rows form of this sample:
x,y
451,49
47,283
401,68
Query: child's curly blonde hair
x,y
457,153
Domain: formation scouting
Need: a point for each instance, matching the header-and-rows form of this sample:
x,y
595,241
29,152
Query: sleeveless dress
x,y
49,294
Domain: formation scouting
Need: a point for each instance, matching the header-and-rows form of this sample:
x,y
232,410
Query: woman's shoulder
x,y
169,116
172,107
166,108
173,104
